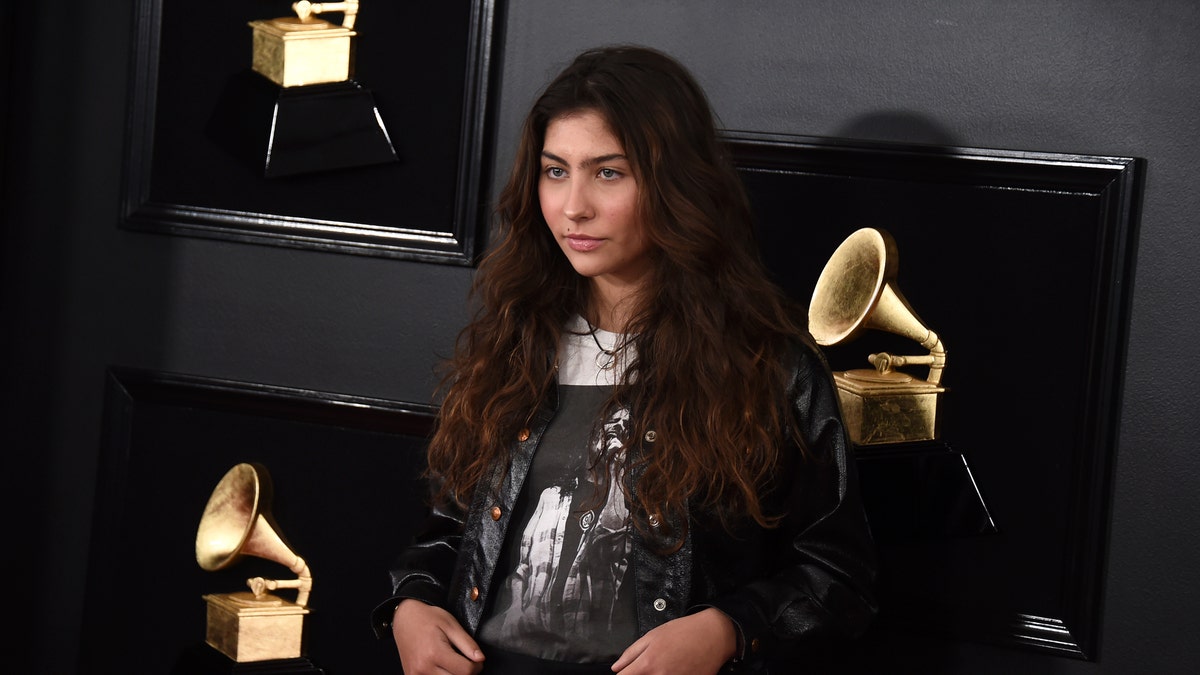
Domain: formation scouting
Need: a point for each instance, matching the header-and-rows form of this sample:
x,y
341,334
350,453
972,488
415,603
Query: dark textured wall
x,y
1074,76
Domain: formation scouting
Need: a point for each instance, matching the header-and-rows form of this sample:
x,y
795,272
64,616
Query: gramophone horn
x,y
237,522
857,290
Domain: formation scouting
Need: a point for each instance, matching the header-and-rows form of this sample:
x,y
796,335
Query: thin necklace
x,y
608,363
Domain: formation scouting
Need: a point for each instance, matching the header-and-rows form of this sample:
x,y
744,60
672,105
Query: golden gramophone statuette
x,y
857,291
300,50
298,109
252,625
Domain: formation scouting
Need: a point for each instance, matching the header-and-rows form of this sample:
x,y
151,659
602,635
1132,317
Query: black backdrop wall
x,y
81,295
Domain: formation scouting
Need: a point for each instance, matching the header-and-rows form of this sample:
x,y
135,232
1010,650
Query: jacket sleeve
x,y
821,591
424,569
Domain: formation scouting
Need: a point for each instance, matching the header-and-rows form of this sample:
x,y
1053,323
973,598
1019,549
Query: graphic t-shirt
x,y
565,591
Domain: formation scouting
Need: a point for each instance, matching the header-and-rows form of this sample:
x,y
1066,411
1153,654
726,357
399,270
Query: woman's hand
x,y
696,644
430,640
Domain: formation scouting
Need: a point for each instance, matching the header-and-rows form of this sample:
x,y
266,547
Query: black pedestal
x,y
284,131
204,660
920,490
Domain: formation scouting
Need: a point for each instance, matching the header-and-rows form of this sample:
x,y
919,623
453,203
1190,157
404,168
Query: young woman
x,y
639,463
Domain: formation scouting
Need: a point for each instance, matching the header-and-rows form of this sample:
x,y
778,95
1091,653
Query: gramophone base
x,y
290,52
245,630
884,413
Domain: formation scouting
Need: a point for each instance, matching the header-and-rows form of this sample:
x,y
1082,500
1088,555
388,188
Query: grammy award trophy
x,y
253,625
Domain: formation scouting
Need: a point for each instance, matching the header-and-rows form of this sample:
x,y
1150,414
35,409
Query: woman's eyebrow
x,y
590,162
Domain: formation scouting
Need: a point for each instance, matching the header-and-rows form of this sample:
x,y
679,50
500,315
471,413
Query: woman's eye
x,y
555,172
608,174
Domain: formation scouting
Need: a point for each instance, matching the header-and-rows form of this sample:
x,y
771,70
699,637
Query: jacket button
x,y
523,435
754,646
653,520
496,513
474,593
651,436
660,604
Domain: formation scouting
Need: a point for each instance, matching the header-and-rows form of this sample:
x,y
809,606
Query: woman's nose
x,y
579,204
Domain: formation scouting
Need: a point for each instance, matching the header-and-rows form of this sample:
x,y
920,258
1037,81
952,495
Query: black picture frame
x,y
1022,262
429,67
348,494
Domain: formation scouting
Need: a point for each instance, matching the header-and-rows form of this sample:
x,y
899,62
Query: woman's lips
x,y
578,243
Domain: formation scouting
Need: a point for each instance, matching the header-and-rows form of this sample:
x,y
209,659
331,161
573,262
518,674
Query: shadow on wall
x,y
900,126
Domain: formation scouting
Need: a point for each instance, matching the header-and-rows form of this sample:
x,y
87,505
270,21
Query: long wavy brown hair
x,y
710,334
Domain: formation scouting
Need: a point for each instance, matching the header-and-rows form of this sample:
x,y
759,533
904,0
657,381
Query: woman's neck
x,y
611,307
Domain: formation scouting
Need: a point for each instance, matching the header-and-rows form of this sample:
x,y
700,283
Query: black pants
x,y
500,662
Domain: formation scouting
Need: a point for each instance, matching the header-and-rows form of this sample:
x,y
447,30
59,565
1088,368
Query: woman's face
x,y
588,196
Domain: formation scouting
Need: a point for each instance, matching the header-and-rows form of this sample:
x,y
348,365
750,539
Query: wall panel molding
x,y
1023,263
187,175
348,495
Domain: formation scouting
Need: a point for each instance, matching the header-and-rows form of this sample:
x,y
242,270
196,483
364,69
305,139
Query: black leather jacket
x,y
788,589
